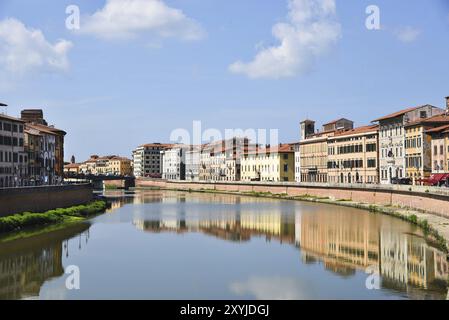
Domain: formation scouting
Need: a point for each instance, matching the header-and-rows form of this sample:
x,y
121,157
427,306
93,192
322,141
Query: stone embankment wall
x,y
429,199
41,199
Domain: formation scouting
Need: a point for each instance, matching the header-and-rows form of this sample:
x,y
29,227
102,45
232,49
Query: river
x,y
180,245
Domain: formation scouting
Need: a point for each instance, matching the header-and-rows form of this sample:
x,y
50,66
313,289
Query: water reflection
x,y
25,265
342,241
325,244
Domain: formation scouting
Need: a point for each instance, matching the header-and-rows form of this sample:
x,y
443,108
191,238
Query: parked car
x,y
401,181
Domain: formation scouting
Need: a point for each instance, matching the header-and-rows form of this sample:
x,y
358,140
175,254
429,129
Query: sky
x,y
135,70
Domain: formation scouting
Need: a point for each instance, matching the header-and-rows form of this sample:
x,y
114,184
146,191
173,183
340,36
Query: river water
x,y
178,245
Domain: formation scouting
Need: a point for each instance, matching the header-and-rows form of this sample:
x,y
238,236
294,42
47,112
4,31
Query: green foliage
x,y
28,219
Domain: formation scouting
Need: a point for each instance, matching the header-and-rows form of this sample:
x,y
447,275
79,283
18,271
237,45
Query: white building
x,y
193,164
174,163
392,138
13,159
297,148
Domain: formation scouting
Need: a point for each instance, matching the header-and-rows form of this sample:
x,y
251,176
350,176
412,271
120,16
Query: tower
x,y
307,129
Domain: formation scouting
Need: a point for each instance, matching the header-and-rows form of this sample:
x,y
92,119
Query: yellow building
x,y
275,164
119,166
418,147
112,165
439,149
353,156
72,168
313,149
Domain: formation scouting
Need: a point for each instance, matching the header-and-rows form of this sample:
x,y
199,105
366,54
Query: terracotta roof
x,y
436,119
358,130
398,113
335,121
40,128
161,145
282,148
442,129
72,165
4,116
49,128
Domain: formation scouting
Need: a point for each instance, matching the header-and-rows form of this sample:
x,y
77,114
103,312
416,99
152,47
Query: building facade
x,y
174,163
271,164
440,149
13,158
40,145
420,153
392,140
35,117
353,156
313,149
105,165
147,160
193,164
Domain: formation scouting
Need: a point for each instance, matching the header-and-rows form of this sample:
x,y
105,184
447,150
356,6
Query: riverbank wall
x,y
41,199
426,199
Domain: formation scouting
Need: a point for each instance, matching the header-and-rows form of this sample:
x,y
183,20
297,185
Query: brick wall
x,y
41,199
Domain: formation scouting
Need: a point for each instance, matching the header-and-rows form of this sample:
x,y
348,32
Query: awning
x,y
435,179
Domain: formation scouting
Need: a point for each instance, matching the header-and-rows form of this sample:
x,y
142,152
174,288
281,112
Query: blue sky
x,y
112,91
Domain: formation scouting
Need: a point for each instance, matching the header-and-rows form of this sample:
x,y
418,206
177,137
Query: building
x,y
220,160
353,156
419,150
439,149
119,166
35,117
392,140
297,149
105,165
13,158
313,148
174,162
89,166
206,157
72,168
270,164
40,145
193,163
147,160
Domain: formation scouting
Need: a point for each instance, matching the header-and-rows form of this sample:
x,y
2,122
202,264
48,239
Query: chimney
x,y
447,105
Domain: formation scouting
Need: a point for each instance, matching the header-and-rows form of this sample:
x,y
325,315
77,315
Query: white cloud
x,y
24,49
274,288
124,19
407,34
310,31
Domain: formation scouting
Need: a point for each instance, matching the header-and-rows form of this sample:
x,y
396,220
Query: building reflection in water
x,y
26,265
343,242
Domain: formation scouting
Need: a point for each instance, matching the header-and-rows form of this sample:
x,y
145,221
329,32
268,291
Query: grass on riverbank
x,y
25,220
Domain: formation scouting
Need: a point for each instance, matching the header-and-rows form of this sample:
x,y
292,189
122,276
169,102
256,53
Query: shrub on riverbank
x,y
28,219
